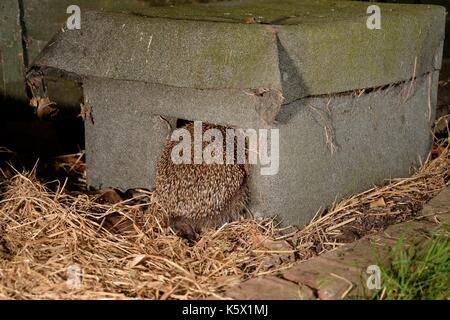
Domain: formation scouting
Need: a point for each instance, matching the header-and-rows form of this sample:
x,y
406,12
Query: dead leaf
x,y
138,259
110,196
44,107
377,203
280,245
260,91
116,223
257,239
70,162
34,102
272,29
437,150
86,113
249,20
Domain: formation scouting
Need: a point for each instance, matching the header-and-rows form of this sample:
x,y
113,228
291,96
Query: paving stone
x,y
439,206
343,272
270,288
360,254
412,231
330,279
351,261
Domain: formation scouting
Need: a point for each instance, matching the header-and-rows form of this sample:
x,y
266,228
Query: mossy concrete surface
x,y
11,54
42,19
190,54
318,48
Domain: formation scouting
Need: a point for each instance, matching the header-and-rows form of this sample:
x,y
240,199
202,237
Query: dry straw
x,y
124,253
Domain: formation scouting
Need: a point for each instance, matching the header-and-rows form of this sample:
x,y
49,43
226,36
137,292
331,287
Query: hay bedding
x,y
123,252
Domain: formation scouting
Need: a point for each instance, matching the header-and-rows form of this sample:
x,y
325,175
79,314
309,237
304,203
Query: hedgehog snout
x,y
183,228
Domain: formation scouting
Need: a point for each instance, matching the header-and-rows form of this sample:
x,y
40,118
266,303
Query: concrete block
x,y
124,141
378,136
312,57
132,133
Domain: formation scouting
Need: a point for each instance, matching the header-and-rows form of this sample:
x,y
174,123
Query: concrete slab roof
x,y
300,48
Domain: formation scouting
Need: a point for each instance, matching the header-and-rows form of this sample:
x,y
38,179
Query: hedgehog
x,y
197,197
